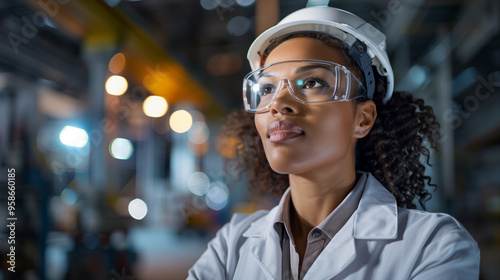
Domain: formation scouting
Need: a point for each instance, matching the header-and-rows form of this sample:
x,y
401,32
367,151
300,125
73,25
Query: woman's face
x,y
302,138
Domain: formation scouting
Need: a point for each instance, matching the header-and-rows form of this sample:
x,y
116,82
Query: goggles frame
x,y
349,78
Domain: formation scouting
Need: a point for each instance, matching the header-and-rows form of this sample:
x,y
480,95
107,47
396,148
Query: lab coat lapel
x,y
266,249
377,213
375,218
338,254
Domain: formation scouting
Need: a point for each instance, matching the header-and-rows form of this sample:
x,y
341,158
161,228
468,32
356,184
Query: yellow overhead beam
x,y
148,63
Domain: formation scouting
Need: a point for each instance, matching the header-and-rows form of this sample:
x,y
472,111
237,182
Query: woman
x,y
344,154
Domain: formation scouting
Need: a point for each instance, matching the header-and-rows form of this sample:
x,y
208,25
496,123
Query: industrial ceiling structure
x,y
194,52
206,41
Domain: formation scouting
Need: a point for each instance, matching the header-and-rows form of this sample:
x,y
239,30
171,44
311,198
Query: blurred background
x,y
110,112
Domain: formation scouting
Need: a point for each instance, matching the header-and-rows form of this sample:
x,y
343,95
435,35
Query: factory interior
x,y
110,113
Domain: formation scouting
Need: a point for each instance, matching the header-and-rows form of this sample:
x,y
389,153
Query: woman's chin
x,y
279,171
285,168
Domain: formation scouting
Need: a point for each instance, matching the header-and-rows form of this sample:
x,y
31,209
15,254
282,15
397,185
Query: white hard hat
x,y
347,27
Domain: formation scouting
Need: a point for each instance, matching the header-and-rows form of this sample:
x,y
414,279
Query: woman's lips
x,y
280,131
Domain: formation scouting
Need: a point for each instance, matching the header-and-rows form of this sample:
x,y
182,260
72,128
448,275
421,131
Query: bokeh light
x,y
155,106
137,209
73,136
316,3
69,196
198,183
245,3
227,146
181,121
121,148
198,150
209,4
419,75
118,240
116,85
238,25
199,133
217,196
117,63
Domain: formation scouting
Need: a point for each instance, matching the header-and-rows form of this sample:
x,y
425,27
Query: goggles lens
x,y
309,81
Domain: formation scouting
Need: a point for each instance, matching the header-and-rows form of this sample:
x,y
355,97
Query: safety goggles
x,y
308,81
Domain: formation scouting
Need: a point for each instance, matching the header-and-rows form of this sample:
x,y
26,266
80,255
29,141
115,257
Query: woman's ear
x,y
366,113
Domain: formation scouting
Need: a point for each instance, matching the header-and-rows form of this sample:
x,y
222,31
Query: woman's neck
x,y
315,198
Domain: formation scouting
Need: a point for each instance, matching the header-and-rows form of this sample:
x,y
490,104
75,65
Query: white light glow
x,y
217,196
69,196
121,148
137,209
418,74
199,132
209,4
198,183
116,85
181,121
73,136
238,25
245,3
155,106
316,3
255,87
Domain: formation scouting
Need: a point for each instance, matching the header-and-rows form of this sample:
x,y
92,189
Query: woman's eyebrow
x,y
266,74
312,66
299,69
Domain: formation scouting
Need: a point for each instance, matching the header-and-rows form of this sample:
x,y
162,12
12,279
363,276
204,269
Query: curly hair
x,y
392,151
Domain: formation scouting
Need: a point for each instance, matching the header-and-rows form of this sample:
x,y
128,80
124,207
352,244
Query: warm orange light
x,y
117,63
198,149
227,146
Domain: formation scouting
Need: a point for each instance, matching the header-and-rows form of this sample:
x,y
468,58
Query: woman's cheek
x,y
261,129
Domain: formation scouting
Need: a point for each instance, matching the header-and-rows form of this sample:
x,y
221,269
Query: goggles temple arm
x,y
362,58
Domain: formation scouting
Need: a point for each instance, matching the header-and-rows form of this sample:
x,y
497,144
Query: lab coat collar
x,y
266,248
377,213
375,218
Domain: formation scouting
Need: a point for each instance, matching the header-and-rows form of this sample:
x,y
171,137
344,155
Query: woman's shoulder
x,y
430,224
421,217
441,245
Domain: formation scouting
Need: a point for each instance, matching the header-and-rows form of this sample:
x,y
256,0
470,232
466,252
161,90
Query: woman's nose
x,y
284,103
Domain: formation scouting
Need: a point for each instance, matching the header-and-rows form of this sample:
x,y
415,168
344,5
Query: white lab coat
x,y
379,241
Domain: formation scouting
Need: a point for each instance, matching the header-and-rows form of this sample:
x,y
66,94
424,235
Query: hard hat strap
x,y
358,52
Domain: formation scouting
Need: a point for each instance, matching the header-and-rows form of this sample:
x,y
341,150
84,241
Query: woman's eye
x,y
267,89
313,84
